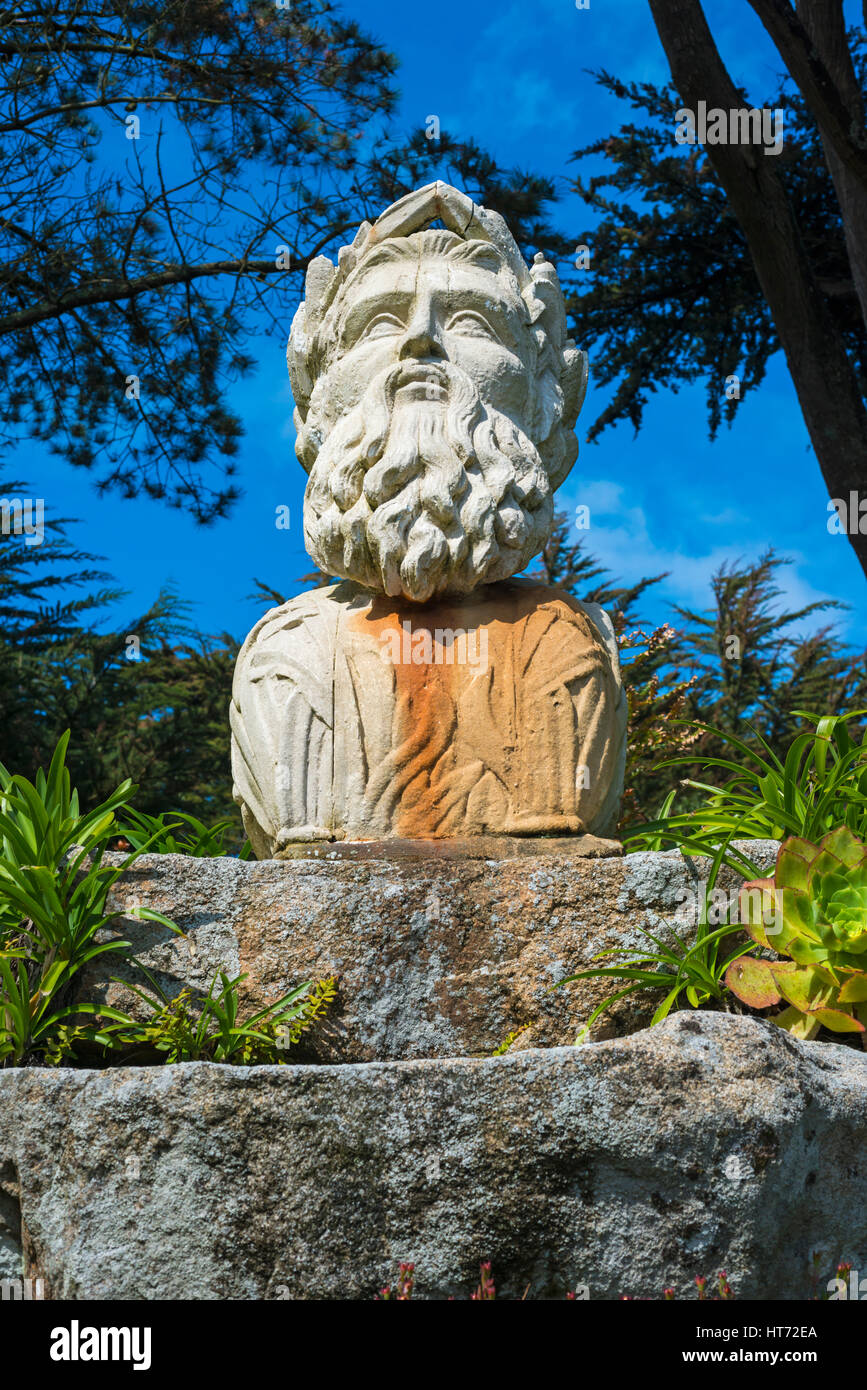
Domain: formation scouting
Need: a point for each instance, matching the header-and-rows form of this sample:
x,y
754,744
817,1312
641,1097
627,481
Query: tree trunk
x,y
812,43
826,385
827,30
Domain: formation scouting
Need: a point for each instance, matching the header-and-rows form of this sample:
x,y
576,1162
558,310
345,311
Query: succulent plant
x,y
813,911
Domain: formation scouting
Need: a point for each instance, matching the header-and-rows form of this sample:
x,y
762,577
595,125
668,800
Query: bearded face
x,y
424,479
421,490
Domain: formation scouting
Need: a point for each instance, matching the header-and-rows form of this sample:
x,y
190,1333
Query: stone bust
x,y
429,693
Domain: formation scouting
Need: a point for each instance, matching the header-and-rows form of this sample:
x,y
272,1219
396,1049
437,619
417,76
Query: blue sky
x,y
513,78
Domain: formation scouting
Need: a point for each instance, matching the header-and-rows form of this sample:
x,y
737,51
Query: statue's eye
x,y
383,326
470,325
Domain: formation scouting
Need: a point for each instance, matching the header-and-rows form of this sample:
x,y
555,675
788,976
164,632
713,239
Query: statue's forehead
x,y
434,273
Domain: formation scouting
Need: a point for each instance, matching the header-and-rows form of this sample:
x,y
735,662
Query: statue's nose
x,y
422,336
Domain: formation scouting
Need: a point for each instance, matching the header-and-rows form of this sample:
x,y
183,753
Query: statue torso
x,y
499,714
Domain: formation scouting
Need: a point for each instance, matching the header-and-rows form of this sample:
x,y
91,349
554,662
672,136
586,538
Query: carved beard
x,y
423,497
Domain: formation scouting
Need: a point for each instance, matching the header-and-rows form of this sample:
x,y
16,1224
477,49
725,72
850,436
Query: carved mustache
x,y
426,373
444,375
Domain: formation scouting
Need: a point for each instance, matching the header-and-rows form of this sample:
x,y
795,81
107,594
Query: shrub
x,y
175,832
211,1029
813,912
53,890
695,971
821,784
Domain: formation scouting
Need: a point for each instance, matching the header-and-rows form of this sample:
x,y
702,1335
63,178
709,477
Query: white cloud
x,y
619,536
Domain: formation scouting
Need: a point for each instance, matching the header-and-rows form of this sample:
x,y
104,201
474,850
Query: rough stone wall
x,y
708,1142
435,956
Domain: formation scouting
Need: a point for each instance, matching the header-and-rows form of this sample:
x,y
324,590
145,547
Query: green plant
x,y
31,1026
486,1291
508,1040
210,1028
821,784
696,971
196,839
840,1287
723,1294
53,890
402,1291
813,911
